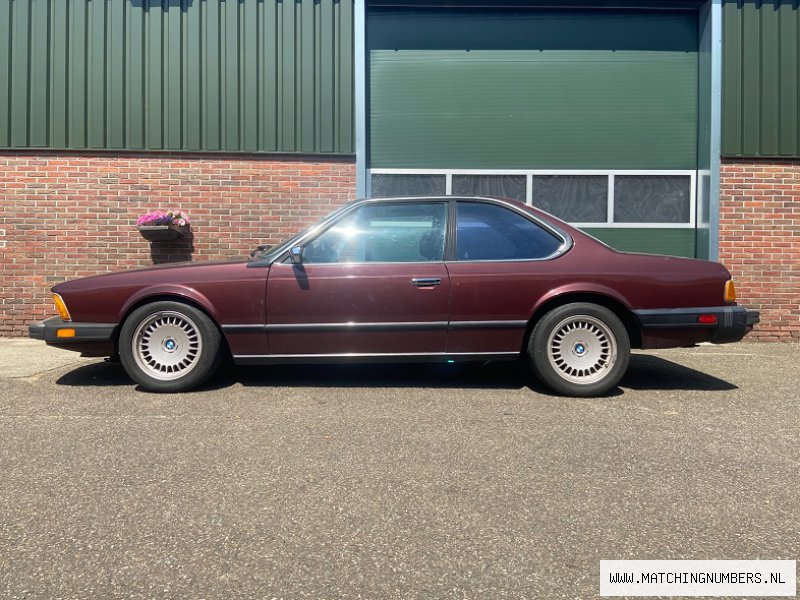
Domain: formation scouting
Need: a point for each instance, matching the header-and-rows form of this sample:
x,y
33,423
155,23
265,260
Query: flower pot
x,y
163,233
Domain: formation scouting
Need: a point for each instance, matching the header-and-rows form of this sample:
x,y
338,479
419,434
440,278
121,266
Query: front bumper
x,y
90,338
733,323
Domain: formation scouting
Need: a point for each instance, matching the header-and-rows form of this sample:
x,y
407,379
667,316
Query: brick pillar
x,y
759,241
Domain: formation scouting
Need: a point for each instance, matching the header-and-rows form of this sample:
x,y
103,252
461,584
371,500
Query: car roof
x,y
538,212
442,198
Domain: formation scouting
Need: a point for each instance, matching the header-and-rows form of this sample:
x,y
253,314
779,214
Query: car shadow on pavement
x,y
499,375
645,373
96,374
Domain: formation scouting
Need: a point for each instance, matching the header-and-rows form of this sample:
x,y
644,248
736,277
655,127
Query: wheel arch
x,y
165,296
177,293
611,302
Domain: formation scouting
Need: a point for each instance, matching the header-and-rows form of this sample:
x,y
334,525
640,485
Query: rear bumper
x,y
89,338
682,325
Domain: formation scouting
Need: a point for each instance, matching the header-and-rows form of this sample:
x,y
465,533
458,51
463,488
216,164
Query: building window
x,y
508,186
384,185
586,198
573,198
652,199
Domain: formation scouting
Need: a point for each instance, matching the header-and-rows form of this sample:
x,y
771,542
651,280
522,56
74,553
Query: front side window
x,y
491,232
400,232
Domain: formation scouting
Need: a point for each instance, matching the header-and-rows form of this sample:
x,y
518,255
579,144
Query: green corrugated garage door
x,y
591,114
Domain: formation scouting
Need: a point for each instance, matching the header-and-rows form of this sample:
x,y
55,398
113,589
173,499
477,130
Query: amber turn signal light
x,y
65,333
730,291
61,308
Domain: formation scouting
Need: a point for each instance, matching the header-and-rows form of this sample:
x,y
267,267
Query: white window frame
x,y
530,173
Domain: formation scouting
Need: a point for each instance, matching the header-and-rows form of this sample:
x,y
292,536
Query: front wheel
x,y
579,349
169,347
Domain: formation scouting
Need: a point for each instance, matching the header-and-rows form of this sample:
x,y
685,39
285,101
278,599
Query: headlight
x,y
61,308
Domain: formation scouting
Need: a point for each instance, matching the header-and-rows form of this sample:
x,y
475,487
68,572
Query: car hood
x,y
174,271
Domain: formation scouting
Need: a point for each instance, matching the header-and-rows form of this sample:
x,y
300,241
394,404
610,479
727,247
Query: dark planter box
x,y
163,233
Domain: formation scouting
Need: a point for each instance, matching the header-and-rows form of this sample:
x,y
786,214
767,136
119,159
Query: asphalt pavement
x,y
408,481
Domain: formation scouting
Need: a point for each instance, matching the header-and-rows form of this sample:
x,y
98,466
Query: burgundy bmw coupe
x,y
405,279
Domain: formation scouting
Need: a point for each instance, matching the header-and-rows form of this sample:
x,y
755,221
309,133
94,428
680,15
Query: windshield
x,y
270,252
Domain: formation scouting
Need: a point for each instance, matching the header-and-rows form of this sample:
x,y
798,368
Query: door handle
x,y
426,281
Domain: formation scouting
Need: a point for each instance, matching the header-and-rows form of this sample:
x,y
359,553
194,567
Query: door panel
x,y
492,303
374,282
359,308
499,275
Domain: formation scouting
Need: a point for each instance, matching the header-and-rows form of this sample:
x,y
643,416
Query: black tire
x,y
579,349
169,346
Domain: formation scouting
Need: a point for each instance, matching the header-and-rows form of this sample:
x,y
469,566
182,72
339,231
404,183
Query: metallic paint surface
x,y
373,308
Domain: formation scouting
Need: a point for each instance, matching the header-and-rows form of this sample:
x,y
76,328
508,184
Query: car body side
x,y
492,304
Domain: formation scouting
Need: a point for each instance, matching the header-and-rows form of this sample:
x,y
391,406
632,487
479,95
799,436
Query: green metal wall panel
x,y
185,75
761,79
527,109
533,89
676,242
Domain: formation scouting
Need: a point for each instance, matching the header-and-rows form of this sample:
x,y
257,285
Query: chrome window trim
x,y
359,264
281,253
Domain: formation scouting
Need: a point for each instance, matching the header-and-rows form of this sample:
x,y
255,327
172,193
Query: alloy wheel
x,y
582,349
166,345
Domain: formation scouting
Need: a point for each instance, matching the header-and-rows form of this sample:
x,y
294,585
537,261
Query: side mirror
x,y
261,248
296,255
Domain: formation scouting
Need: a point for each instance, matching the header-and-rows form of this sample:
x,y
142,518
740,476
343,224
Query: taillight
x,y
730,291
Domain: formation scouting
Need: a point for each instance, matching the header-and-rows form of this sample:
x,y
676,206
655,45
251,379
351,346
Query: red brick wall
x,y
67,216
759,241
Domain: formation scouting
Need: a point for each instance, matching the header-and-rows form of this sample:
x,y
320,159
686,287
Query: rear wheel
x,y
579,349
169,346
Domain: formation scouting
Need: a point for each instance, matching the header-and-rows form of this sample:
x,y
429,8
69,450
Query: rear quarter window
x,y
491,232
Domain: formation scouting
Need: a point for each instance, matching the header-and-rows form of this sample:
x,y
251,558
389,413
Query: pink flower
x,y
152,218
159,217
